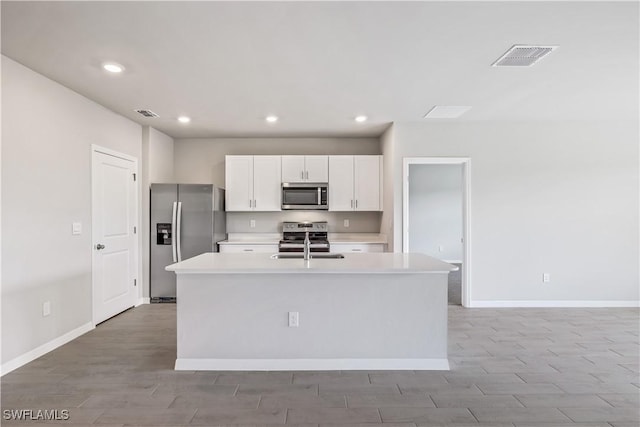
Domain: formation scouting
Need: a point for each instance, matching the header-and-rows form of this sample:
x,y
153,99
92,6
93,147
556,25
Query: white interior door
x,y
114,217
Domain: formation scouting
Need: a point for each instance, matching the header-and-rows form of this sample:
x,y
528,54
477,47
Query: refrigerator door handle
x,y
173,231
178,227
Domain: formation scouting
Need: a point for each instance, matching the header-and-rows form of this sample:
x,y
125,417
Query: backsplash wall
x,y
271,222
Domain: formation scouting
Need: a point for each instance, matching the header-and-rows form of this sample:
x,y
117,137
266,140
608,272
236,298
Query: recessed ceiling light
x,y
271,119
361,119
184,119
447,111
113,67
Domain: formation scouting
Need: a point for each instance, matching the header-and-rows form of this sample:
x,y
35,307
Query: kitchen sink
x,y
301,256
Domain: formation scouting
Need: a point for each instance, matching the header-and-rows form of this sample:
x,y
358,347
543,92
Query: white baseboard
x,y
45,348
310,364
143,301
556,304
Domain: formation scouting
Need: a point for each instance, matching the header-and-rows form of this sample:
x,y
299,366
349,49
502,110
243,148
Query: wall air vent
x,y
147,113
523,56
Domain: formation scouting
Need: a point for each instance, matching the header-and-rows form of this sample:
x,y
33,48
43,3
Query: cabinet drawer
x,y
249,249
347,247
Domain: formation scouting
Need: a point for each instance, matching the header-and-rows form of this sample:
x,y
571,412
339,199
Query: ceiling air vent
x,y
523,56
147,113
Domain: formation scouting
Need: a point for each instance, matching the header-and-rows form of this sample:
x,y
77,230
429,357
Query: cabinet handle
x,y
250,203
248,250
254,203
301,174
356,250
351,203
356,203
306,175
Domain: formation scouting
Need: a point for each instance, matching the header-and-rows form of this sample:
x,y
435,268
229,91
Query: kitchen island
x,y
365,311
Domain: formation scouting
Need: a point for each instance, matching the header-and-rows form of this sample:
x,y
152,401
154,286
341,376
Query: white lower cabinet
x,y
361,247
273,249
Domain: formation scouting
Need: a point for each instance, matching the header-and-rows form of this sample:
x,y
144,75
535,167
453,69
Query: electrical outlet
x,y
293,319
76,228
546,278
252,223
46,308
441,248
346,223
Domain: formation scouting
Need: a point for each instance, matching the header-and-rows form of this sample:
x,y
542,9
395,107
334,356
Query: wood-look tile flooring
x,y
510,367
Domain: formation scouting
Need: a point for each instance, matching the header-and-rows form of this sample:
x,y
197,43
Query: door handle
x,y
174,212
100,246
178,226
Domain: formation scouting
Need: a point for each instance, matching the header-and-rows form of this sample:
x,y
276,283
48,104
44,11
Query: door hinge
x,y
135,282
134,176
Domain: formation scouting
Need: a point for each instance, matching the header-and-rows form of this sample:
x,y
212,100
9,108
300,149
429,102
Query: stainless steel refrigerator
x,y
186,220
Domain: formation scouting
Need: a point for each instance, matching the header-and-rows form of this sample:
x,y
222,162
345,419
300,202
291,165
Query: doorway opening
x,y
436,194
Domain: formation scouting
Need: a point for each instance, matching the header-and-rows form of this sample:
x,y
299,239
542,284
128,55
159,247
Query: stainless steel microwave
x,y
305,195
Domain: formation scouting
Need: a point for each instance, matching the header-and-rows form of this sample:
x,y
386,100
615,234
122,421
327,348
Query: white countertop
x,y
360,263
274,239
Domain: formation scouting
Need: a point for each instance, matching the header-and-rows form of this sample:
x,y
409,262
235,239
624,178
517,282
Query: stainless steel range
x,y
293,234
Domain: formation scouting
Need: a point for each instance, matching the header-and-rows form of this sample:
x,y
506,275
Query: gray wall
x,y
201,161
548,197
157,167
47,132
271,222
435,210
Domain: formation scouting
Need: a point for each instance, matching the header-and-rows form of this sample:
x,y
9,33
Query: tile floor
x,y
510,367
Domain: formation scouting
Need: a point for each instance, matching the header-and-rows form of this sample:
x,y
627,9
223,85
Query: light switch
x,y
76,228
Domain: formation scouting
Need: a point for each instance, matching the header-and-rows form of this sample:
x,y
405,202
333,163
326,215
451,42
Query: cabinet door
x,y
367,183
317,168
244,249
341,183
267,183
293,169
239,183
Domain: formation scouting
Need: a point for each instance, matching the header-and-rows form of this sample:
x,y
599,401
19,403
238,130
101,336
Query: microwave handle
x,y
319,195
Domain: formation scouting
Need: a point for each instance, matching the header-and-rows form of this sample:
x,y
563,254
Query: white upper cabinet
x,y
305,168
253,183
267,183
238,178
354,183
366,183
317,168
341,183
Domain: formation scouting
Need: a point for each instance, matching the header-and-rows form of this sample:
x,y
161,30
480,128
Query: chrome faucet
x,y
307,245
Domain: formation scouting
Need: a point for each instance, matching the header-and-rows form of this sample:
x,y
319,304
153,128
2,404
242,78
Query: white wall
x,y
435,210
157,167
549,197
201,161
47,134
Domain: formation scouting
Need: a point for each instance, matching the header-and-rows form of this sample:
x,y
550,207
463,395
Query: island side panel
x,y
341,316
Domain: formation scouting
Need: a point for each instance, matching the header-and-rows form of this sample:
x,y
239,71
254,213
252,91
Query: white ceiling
x,y
319,64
